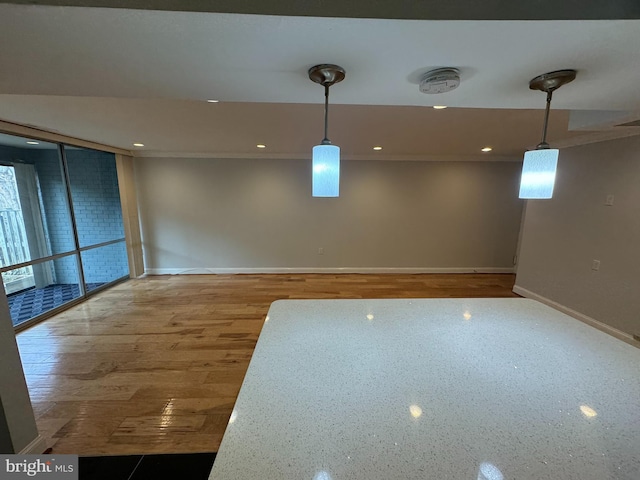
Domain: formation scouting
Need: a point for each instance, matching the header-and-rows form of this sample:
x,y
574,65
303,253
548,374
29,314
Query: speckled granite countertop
x,y
478,389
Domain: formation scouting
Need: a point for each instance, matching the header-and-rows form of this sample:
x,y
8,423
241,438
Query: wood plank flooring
x,y
154,365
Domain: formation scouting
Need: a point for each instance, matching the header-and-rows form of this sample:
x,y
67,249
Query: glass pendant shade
x,y
326,171
538,173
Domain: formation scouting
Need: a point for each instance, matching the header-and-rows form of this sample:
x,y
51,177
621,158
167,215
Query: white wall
x,y
239,214
562,236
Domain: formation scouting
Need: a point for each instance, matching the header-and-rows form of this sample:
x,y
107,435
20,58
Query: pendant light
x,y
326,157
539,167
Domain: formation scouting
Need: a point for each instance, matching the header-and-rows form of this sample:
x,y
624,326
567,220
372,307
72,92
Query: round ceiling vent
x,y
440,80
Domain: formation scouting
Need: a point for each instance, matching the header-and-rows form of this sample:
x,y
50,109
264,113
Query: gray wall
x,y
6,445
562,236
17,423
232,213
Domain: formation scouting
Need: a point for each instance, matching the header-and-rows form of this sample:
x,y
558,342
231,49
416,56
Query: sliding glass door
x,y
61,229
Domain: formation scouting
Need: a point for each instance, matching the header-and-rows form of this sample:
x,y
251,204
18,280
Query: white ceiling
x,y
118,76
288,130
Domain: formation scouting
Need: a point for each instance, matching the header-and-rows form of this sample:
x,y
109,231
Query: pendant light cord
x,y
325,140
544,143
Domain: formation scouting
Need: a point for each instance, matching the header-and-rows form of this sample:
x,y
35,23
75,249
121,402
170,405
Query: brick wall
x,y
53,201
96,204
96,199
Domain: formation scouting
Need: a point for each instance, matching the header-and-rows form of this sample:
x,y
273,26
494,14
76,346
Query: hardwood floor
x,y
154,365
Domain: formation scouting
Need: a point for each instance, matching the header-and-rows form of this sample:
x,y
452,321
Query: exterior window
x,y
61,229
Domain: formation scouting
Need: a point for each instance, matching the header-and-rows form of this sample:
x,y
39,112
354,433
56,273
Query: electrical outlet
x,y
609,201
320,251
595,265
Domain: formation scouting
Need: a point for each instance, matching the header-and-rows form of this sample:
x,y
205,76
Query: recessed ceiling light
x,y
377,148
487,149
261,146
588,412
138,144
415,410
33,143
439,107
213,101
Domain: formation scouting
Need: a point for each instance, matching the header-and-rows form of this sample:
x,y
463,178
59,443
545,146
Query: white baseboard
x,y
36,447
625,337
407,270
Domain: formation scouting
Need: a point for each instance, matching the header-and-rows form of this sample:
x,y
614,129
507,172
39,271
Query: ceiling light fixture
x,y
261,145
325,179
33,143
213,101
439,107
539,167
487,149
377,148
138,144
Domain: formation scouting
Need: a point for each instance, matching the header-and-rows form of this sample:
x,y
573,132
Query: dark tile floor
x,y
188,466
34,301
